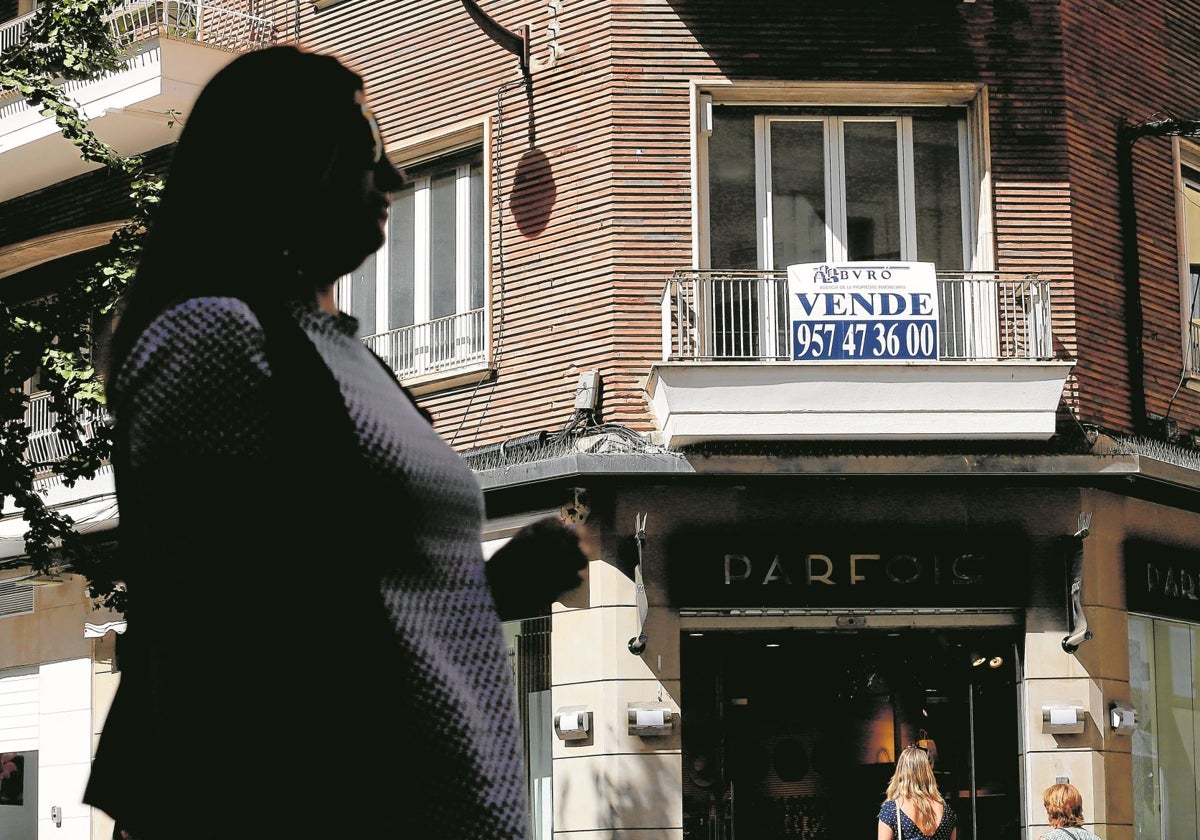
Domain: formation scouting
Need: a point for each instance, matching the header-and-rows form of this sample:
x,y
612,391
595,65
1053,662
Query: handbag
x,y
899,829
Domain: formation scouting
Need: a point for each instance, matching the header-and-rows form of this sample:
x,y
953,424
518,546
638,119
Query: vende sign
x,y
863,311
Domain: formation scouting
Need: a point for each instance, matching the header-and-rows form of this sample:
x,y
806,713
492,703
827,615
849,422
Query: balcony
x,y
434,350
45,446
173,48
728,374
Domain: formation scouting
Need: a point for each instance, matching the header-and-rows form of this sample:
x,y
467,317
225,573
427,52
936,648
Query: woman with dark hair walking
x,y
914,807
314,645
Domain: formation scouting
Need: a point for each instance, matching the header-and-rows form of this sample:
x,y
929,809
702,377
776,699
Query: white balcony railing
x,y
227,24
443,344
12,32
45,445
742,315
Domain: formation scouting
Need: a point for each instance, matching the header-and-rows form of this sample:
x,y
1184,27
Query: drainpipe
x,y
1127,135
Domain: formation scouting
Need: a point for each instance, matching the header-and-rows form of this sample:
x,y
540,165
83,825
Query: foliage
x,y
68,40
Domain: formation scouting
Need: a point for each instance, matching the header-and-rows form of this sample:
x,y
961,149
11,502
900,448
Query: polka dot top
x,y
887,816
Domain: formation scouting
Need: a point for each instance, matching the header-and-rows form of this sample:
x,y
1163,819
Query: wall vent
x,y
15,599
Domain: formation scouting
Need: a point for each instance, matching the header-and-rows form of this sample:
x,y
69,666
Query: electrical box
x,y
586,390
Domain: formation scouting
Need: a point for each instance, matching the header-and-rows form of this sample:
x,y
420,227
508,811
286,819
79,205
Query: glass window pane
x,y
362,296
872,191
1146,816
401,259
1191,217
938,192
797,191
733,236
1176,718
477,239
443,277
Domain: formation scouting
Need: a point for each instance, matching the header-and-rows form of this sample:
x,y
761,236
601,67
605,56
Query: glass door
x,y
793,734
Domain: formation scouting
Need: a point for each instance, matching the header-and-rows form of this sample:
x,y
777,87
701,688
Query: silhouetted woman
x,y
313,648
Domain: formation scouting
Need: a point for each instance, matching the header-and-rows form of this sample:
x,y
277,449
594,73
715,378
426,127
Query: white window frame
x,y
974,172
423,151
973,161
1187,156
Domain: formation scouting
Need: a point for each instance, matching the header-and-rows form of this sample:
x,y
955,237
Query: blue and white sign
x,y
863,311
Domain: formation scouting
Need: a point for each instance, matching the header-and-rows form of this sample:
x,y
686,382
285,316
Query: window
x,y
1164,666
807,180
420,299
838,187
1190,216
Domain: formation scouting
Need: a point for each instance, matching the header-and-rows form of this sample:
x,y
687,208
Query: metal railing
x,y
442,344
227,24
12,32
45,444
983,316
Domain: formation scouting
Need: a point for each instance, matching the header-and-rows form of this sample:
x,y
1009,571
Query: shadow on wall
x,y
533,193
640,795
857,39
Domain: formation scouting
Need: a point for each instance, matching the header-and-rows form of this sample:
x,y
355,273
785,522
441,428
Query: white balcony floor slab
x,y
694,402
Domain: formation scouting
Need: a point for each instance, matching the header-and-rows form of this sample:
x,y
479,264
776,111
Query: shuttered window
x,y
15,599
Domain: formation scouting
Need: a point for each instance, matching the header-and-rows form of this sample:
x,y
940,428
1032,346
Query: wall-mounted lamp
x,y
1122,719
650,720
1063,720
573,723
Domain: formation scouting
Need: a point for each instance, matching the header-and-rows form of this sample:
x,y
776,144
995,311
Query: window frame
x,y
1187,157
977,226
427,151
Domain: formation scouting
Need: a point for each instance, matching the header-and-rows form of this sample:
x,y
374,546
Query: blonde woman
x,y
1064,811
914,792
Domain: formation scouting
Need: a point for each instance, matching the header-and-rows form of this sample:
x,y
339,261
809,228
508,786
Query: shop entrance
x,y
794,733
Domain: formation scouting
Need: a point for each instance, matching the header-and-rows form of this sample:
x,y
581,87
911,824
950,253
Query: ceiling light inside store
x,y
995,661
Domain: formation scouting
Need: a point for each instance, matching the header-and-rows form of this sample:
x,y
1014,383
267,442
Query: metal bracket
x,y
1079,629
637,645
516,43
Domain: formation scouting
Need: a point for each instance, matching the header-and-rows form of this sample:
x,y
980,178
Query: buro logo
x,y
825,274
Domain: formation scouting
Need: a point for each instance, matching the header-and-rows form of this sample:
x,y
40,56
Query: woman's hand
x,y
538,565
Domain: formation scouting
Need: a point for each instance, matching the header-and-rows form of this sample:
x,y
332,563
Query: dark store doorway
x,y
794,733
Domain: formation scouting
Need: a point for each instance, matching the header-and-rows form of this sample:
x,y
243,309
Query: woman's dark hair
x,y
242,181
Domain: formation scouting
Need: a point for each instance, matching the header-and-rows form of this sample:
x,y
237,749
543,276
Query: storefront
x,y
1163,590
813,650
801,629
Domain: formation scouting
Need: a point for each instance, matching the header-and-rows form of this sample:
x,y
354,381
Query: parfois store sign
x,y
1163,580
863,311
743,567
